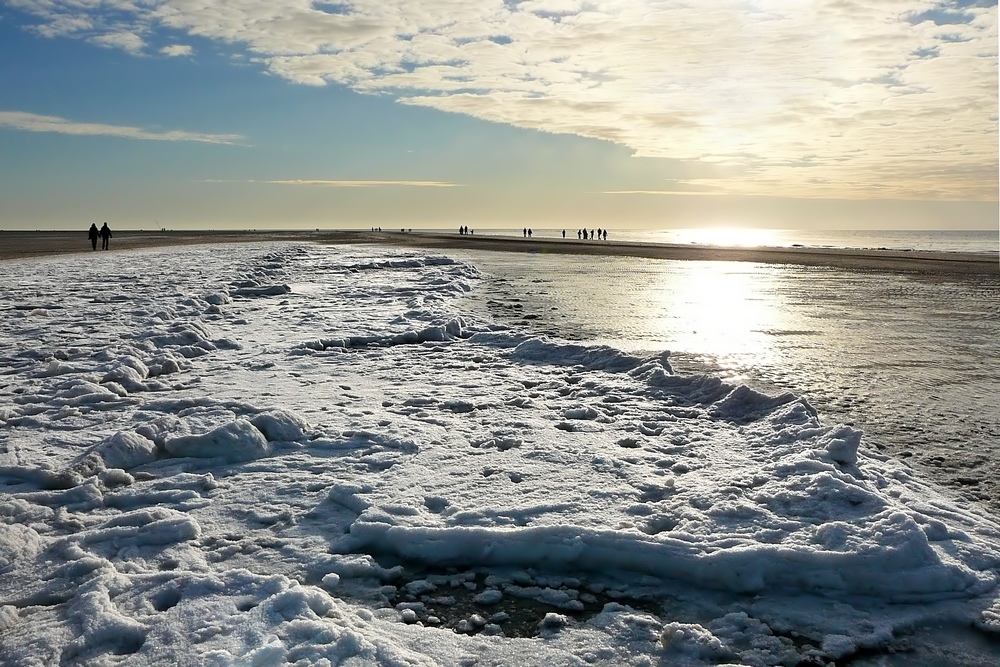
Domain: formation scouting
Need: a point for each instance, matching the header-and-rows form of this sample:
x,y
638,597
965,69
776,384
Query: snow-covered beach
x,y
297,453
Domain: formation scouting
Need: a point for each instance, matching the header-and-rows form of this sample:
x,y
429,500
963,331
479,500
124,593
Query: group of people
x,y
464,230
582,234
104,232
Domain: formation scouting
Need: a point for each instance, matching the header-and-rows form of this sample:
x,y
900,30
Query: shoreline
x,y
22,245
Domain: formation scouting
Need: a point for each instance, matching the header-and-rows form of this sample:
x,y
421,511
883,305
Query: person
x,y
93,235
105,235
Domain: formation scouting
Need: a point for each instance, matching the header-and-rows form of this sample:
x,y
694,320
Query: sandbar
x,y
22,244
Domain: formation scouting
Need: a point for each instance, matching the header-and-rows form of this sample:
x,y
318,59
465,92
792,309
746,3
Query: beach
x,y
18,244
294,452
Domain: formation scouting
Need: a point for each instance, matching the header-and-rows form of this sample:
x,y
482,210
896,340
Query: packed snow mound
x,y
449,331
280,425
17,543
124,449
744,404
693,642
594,358
235,442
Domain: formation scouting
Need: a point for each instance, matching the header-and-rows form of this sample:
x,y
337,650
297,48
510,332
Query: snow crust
x,y
307,455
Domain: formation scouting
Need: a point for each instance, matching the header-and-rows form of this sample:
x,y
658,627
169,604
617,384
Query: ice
x,y
123,450
297,454
238,440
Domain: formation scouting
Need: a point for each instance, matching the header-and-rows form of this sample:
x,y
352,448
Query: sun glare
x,y
748,237
723,310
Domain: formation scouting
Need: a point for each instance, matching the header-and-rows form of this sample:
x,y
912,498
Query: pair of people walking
x,y
104,232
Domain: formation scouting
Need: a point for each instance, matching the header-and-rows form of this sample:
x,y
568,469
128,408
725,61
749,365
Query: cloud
x,y
175,50
127,41
349,184
693,193
365,184
30,122
847,99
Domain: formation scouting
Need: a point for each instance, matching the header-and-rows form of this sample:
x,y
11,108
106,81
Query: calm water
x,y
913,361
983,241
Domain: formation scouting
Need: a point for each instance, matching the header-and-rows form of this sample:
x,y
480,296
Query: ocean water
x,y
913,361
978,241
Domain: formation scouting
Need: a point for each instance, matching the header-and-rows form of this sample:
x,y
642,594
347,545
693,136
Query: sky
x,y
626,114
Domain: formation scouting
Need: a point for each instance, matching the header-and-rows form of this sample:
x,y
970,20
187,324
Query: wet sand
x,y
18,245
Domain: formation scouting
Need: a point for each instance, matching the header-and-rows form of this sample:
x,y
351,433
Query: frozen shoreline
x,y
18,244
215,456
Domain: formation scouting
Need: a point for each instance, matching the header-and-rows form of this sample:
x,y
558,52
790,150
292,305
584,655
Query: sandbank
x,y
21,244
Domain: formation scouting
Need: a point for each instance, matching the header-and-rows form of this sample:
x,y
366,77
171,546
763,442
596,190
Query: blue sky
x,y
550,113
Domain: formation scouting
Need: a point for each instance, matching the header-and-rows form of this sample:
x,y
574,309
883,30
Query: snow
x,y
297,454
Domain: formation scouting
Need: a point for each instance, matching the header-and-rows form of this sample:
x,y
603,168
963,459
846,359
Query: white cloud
x,y
30,122
127,41
343,183
175,50
363,184
797,97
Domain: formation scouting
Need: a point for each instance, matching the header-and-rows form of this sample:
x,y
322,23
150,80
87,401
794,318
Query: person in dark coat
x,y
93,234
105,235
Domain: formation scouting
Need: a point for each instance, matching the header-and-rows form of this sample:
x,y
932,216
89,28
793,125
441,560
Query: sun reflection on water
x,y
720,309
733,316
747,237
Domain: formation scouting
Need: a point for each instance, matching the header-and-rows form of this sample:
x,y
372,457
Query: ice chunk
x,y
236,441
842,445
125,450
280,425
693,642
17,542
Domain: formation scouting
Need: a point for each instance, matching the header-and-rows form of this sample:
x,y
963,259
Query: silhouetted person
x,y
564,233
605,235
105,235
93,234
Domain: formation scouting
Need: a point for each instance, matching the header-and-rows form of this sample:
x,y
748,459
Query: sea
x,y
912,360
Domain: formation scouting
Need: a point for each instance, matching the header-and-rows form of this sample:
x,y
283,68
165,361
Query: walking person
x,y
93,234
105,235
